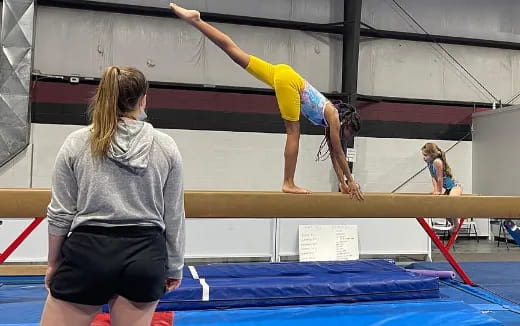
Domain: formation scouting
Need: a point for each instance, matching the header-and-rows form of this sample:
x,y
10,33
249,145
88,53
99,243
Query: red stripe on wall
x,y
65,93
409,112
212,101
61,93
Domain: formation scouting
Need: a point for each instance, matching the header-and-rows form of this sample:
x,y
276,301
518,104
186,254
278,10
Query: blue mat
x,y
275,284
425,313
500,278
21,303
482,300
290,269
431,312
22,299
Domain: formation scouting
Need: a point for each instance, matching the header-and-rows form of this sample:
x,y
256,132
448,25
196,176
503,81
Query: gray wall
x,y
493,20
413,69
316,11
496,141
418,70
180,54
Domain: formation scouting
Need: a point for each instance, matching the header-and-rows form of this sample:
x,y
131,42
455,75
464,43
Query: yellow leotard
x,y
293,93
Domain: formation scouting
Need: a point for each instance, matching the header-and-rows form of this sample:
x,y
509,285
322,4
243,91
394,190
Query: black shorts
x,y
101,262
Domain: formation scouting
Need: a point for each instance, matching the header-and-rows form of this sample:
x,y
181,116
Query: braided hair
x,y
348,116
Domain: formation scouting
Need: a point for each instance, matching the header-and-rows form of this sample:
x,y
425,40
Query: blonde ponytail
x,y
105,112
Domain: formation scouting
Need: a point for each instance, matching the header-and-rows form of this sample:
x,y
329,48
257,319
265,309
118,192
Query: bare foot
x,y
295,190
187,15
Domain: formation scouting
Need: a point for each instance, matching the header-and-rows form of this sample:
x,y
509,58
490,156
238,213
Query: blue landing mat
x,y
500,278
428,312
22,299
482,300
433,312
21,303
275,284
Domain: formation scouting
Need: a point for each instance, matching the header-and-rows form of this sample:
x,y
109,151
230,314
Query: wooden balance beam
x,y
23,203
27,203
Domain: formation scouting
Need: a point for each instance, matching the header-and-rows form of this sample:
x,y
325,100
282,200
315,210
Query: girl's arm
x,y
337,151
339,173
439,178
434,183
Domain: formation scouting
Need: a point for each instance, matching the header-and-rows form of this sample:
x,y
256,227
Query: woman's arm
x,y
54,256
62,208
174,216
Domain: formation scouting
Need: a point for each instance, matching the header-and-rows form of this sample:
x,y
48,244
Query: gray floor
x,y
484,250
464,250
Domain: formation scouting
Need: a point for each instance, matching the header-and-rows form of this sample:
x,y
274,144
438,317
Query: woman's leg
x,y
216,36
124,312
62,313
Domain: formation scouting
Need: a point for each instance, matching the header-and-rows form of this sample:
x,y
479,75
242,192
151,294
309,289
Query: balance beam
x,y
32,203
23,203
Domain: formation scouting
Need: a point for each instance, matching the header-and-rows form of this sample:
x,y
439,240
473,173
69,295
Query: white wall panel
x,y
17,172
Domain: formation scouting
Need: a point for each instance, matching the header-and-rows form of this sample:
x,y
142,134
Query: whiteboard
x,y
376,236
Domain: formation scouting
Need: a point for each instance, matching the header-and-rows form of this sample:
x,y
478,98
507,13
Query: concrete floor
x,y
463,250
484,250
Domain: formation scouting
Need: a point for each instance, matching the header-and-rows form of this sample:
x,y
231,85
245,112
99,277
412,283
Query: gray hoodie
x,y
140,183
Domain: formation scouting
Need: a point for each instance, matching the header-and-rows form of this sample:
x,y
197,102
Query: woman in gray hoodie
x,y
116,218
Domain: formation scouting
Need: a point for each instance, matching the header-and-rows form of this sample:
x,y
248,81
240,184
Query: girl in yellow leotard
x,y
294,96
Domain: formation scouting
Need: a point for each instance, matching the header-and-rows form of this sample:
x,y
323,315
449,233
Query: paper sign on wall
x,y
328,242
351,155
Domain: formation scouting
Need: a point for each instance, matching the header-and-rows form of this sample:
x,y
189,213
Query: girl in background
x,y
442,177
